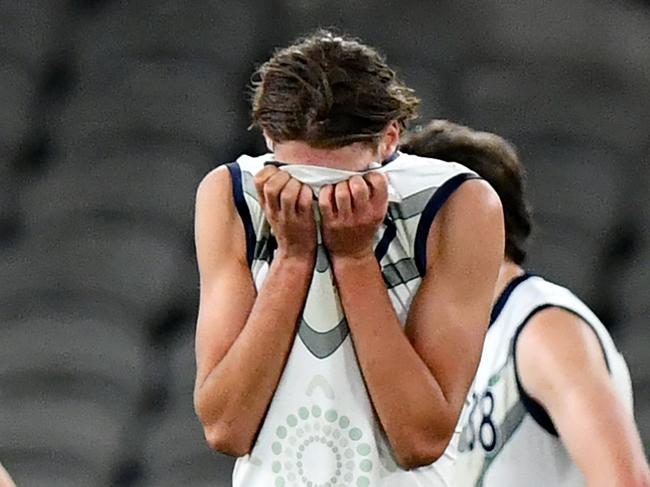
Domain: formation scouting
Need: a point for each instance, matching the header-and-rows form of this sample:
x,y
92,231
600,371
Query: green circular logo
x,y
316,448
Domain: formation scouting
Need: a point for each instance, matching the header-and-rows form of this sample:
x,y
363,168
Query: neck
x,y
353,157
508,271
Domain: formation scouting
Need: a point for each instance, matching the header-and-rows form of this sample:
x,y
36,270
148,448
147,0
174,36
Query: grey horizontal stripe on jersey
x,y
323,345
400,272
510,424
411,205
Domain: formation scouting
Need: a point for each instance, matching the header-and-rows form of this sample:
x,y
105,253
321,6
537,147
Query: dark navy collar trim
x,y
505,295
391,158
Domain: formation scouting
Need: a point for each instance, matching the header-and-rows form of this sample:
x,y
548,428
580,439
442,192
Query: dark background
x,y
112,111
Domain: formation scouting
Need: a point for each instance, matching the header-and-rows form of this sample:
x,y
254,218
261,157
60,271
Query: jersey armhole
x,y
439,198
242,209
534,408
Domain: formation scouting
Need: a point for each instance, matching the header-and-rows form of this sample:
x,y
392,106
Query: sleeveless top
x,y
320,429
507,437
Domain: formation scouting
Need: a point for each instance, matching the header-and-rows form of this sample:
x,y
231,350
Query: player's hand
x,y
352,211
287,204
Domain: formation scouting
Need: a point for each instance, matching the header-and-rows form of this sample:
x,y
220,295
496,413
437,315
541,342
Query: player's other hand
x,y
352,211
287,204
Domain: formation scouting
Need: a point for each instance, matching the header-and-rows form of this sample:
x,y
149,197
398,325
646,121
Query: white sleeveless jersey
x,y
320,429
508,439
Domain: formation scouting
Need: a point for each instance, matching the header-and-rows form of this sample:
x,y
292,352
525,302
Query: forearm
x,y
409,401
235,395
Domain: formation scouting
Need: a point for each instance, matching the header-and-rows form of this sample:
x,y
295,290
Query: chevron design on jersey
x,y
323,344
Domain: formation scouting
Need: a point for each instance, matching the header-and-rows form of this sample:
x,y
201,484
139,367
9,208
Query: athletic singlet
x,y
320,429
508,439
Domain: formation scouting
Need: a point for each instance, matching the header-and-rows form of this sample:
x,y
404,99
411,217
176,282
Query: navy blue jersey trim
x,y
438,199
391,158
389,234
505,295
534,408
242,209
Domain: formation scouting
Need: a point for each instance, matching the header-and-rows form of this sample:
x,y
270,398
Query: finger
x,y
359,191
326,202
260,180
305,199
289,198
378,185
272,189
343,199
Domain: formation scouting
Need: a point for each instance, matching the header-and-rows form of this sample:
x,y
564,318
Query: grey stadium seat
x,y
198,102
589,101
571,179
176,453
153,182
142,266
17,92
28,30
561,252
64,345
223,31
633,285
427,33
66,441
569,30
182,368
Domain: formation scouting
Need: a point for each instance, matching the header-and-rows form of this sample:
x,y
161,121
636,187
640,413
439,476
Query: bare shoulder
x,y
215,187
475,200
556,334
219,232
471,220
558,346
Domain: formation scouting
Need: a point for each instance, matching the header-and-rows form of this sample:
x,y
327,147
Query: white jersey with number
x,y
320,429
508,439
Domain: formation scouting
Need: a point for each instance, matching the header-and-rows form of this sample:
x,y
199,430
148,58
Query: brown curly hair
x,y
329,91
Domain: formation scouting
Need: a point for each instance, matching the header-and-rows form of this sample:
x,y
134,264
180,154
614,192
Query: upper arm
x,y
561,365
450,312
227,291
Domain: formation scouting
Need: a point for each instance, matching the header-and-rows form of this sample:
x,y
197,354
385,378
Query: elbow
x,y
420,453
422,448
224,440
219,434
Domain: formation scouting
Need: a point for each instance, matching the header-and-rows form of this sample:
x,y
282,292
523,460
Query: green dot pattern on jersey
x,y
309,428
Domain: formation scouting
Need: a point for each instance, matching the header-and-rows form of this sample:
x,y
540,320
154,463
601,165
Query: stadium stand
x,y
111,112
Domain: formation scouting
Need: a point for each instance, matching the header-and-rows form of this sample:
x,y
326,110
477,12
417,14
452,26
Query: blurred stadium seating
x,y
111,112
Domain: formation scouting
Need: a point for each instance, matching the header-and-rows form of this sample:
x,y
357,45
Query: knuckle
x,y
357,183
377,179
287,198
269,190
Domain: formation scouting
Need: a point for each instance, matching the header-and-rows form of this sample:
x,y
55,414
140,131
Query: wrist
x,y
303,262
352,262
